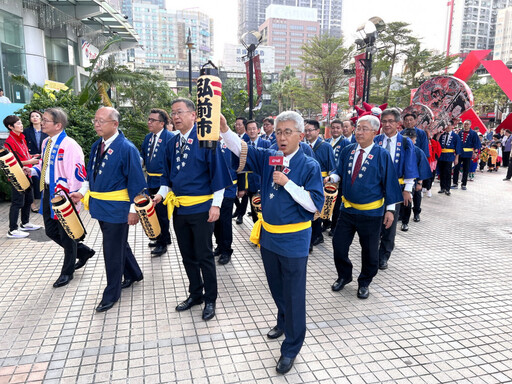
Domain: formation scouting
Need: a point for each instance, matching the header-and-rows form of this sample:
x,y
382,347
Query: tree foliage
x,y
324,58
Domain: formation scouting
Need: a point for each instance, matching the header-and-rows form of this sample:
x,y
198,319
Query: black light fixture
x,y
367,34
190,47
251,40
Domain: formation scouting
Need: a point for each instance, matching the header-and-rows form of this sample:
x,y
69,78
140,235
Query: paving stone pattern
x,y
441,313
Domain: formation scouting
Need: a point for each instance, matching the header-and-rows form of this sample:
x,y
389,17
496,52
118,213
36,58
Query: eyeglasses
x,y
388,121
47,121
101,122
365,130
286,132
150,120
178,113
309,130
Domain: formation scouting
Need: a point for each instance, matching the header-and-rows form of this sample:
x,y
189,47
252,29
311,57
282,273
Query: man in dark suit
x,y
153,155
241,201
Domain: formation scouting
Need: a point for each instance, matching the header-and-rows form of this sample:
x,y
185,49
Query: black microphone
x,y
279,167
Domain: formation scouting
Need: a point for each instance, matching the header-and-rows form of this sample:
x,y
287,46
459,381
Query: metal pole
x,y
189,72
369,70
250,52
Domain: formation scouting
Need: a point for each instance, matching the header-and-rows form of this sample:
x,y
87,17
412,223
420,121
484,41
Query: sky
x,y
428,18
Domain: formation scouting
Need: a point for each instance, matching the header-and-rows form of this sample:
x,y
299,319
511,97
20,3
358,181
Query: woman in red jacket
x,y
16,144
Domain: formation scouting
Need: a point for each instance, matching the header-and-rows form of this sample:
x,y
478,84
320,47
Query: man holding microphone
x,y
289,199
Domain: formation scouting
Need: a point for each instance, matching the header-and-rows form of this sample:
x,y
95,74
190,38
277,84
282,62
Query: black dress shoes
x,y
239,219
331,233
127,283
416,218
405,227
339,284
441,191
284,364
383,265
363,292
224,259
159,250
318,240
447,193
103,307
189,303
216,251
81,262
208,311
274,333
62,281
154,244
310,247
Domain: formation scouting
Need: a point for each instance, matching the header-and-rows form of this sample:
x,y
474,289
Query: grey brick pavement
x,y
441,313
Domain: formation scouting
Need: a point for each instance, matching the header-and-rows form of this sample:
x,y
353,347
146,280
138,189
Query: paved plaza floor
x,y
441,313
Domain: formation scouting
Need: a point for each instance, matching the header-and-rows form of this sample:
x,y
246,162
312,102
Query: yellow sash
x,y
401,181
325,174
171,200
121,195
286,228
362,207
154,174
467,149
447,150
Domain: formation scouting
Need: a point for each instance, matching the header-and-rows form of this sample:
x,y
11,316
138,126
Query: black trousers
x,y
286,277
254,215
387,237
119,259
368,229
336,210
20,201
223,230
427,183
163,219
55,231
506,158
445,174
316,229
405,211
464,163
241,206
509,170
194,234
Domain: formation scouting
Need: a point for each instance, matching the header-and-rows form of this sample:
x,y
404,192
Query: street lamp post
x,y
190,46
251,48
368,33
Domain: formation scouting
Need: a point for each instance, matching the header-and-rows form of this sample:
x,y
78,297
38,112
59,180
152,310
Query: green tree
x,y
396,41
324,57
487,96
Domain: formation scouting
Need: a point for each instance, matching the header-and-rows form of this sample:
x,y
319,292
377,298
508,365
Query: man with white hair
x,y
370,192
289,199
114,178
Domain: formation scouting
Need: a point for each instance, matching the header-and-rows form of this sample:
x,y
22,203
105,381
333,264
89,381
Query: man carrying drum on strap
x,y
289,199
114,179
62,167
153,155
370,193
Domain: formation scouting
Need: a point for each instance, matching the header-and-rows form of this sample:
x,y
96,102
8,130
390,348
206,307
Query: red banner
x,y
325,108
351,90
247,74
359,73
257,74
334,109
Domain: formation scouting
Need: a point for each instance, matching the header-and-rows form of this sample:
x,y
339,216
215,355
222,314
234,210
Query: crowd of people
x,y
382,167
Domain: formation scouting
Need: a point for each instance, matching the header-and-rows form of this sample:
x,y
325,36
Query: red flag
x,y
413,92
257,74
359,73
325,108
351,90
247,74
334,109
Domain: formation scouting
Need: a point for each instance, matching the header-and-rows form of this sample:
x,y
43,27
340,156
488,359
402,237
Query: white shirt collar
x,y
367,149
111,139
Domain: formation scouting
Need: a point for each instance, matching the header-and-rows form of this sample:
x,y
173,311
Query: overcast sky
x,y
428,18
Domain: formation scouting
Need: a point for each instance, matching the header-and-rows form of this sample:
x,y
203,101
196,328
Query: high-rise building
x,y
287,29
251,14
503,39
163,34
474,24
233,58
